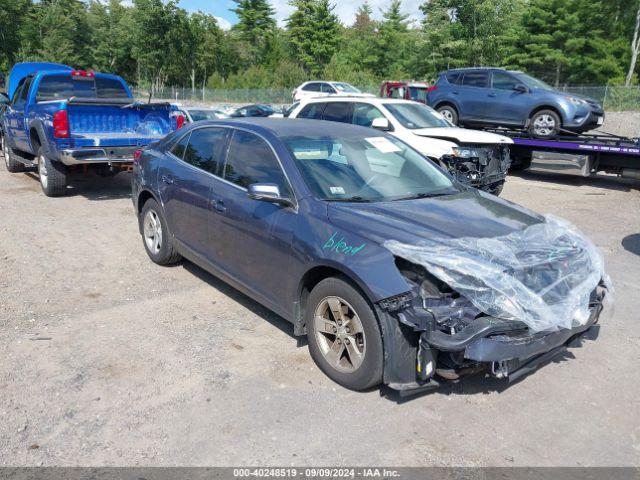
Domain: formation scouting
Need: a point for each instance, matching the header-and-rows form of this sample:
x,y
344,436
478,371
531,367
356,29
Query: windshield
x,y
532,82
345,87
366,169
198,115
416,115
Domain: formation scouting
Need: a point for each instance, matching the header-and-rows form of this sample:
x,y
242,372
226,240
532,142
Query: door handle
x,y
168,179
219,206
455,92
492,94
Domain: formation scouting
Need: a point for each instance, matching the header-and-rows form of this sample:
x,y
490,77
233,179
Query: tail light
x,y
83,73
61,124
432,88
136,155
179,121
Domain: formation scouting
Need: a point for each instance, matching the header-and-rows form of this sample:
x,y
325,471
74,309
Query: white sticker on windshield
x,y
336,190
383,144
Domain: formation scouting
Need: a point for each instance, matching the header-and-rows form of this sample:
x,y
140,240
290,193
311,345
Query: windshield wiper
x,y
426,195
349,199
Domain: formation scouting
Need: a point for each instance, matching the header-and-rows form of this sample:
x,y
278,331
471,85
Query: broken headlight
x,y
449,309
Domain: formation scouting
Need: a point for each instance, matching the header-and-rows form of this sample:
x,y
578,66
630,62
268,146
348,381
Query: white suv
x,y
480,159
325,89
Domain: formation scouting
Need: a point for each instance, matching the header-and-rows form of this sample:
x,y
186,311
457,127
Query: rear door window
x,y
251,160
338,112
204,148
476,79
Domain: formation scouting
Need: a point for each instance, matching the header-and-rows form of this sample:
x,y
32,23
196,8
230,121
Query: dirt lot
x,y
108,359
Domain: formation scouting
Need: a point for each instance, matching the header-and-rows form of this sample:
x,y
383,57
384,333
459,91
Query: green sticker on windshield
x,y
340,246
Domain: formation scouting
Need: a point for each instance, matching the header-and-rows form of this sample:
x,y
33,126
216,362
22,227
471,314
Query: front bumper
x,y
503,348
108,155
594,119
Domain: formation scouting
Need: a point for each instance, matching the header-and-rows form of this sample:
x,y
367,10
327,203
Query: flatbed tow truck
x,y
583,155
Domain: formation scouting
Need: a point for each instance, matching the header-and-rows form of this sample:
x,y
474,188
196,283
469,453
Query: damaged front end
x,y
502,306
479,166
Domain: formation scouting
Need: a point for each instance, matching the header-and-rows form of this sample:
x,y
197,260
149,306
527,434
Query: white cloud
x,y
223,23
346,10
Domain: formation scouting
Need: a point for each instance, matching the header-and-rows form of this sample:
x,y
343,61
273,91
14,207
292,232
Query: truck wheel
x,y
155,235
13,166
343,334
449,112
544,124
53,175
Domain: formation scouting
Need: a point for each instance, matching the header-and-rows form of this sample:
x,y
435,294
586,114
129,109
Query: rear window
x,y
453,77
59,87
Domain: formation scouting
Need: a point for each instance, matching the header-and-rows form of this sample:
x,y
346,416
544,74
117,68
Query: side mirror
x,y
268,192
381,123
521,88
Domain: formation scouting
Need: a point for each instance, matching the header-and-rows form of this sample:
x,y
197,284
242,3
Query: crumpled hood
x,y
468,214
462,135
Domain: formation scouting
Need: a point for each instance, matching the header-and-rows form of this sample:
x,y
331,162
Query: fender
x,y
38,125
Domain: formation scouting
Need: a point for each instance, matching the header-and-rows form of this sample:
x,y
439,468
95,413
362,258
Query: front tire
x,y
53,175
544,124
13,165
343,335
155,235
449,112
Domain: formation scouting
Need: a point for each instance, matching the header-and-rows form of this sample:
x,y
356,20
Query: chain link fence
x,y
614,99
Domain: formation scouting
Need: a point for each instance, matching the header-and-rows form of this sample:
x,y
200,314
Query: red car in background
x,y
416,91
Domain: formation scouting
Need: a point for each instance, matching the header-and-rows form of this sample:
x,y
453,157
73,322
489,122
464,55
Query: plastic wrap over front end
x,y
544,275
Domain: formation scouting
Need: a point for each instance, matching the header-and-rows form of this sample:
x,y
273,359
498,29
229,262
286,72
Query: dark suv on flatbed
x,y
498,97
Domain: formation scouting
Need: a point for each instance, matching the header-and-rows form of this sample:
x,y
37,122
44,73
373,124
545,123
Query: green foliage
x,y
156,43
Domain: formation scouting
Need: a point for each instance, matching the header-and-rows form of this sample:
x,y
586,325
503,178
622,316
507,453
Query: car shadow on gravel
x,y
599,181
631,243
239,297
94,187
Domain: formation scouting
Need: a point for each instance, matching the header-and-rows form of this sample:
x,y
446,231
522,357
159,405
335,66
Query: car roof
x,y
471,69
355,99
285,127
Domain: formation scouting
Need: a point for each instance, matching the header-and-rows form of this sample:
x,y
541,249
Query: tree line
x,y
156,43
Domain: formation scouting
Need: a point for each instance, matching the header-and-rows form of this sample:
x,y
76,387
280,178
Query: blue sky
x,y
344,9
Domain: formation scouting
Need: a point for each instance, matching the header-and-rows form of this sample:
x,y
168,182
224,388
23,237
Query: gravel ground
x,y
108,359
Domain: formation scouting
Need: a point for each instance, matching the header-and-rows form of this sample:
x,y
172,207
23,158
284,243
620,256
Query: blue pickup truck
x,y
60,119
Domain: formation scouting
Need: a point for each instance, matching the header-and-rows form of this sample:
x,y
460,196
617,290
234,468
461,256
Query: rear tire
x,y
155,235
449,112
13,165
544,124
53,175
347,345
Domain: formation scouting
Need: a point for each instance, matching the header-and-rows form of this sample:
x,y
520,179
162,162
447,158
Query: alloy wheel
x,y
339,334
153,232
